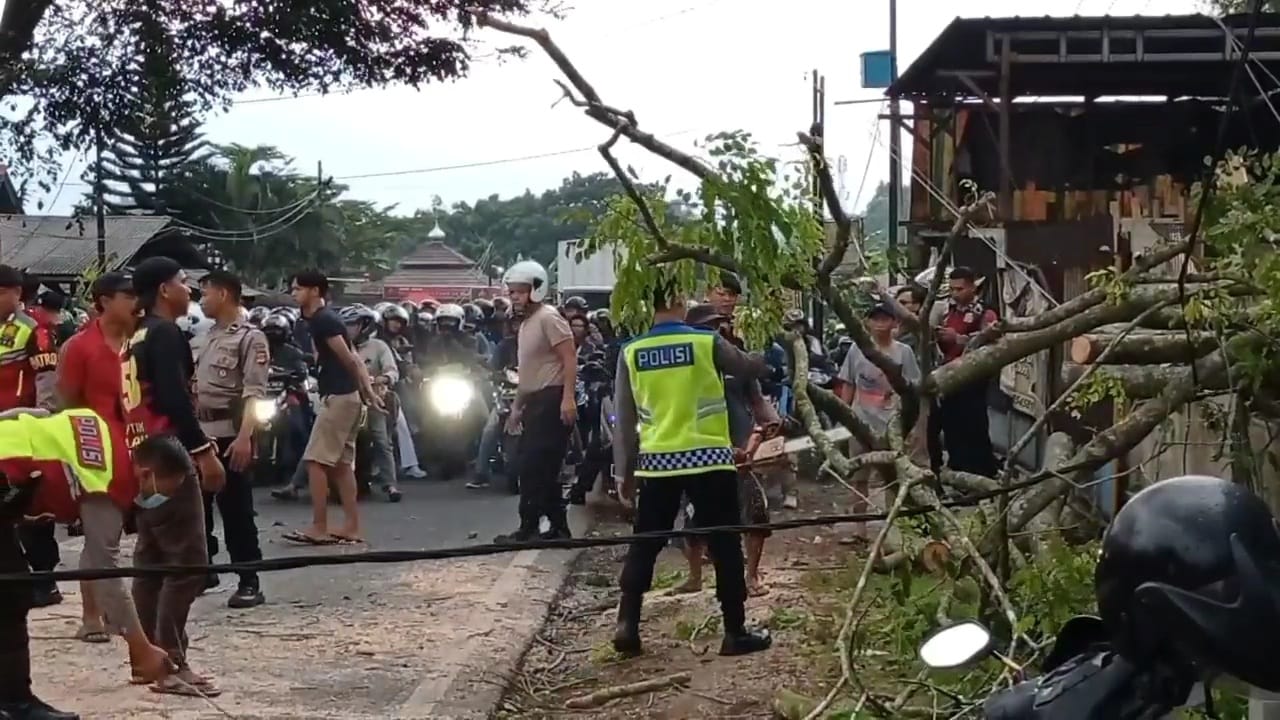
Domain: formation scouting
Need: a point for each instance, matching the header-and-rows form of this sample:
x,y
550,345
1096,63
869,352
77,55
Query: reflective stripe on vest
x,y
77,438
14,336
679,394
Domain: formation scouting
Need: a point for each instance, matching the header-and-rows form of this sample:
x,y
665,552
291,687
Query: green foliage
x,y
1097,388
1055,588
755,212
876,216
1116,286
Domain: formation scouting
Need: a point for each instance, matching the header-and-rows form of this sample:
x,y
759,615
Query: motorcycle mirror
x,y
956,645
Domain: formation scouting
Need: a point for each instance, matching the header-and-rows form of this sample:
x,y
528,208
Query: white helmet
x,y
451,311
194,323
528,272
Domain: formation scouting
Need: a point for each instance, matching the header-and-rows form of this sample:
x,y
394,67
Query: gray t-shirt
x,y
875,400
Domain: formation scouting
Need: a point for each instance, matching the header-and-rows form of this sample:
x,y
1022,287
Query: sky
x,y
686,68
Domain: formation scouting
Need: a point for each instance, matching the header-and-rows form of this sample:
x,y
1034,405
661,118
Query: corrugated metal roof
x,y
54,245
437,253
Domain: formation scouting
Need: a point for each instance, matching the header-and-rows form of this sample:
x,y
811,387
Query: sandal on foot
x,y
176,686
297,536
346,539
93,633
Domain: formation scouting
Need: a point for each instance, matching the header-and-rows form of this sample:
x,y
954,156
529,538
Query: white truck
x,y
592,277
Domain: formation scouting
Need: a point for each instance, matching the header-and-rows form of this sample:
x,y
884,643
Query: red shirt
x,y
965,320
90,377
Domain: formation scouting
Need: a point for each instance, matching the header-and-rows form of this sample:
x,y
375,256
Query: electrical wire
x,y
399,556
274,227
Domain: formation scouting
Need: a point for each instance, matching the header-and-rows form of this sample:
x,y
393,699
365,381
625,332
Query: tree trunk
x,y
1143,347
1142,382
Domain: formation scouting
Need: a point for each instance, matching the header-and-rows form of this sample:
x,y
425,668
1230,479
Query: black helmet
x,y
276,327
360,320
471,315
578,304
486,307
394,312
1189,580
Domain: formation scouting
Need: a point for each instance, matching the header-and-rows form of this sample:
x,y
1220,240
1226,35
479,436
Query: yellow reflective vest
x,y
79,439
679,396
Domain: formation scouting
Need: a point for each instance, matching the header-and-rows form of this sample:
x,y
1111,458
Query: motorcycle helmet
x,y
360,320
257,315
1189,580
424,319
576,305
450,317
486,307
391,312
277,328
531,273
429,305
472,316
194,324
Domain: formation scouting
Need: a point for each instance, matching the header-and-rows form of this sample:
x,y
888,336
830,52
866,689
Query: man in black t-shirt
x,y
344,388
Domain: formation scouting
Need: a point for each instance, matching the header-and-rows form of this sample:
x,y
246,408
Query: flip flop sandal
x,y
345,539
95,634
184,689
297,536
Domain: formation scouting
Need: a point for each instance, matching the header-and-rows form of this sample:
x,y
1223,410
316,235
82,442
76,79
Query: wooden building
x,y
1091,130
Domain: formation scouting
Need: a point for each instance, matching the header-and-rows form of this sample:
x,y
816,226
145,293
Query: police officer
x,y
670,385
231,372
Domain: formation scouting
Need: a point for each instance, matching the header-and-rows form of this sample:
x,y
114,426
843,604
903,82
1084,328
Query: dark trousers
x,y
40,547
714,496
15,600
171,534
961,418
235,505
542,448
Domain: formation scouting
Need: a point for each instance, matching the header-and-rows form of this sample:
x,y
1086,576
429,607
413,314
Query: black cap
x,y
154,272
11,277
111,283
704,314
880,308
730,282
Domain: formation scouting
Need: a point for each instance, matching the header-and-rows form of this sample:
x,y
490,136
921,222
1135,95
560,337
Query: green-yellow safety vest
x,y
78,438
679,394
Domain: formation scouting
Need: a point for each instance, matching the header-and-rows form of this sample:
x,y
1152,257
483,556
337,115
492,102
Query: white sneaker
x,y
413,473
790,502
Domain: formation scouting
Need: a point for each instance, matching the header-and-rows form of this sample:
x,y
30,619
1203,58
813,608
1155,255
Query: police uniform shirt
x,y
233,365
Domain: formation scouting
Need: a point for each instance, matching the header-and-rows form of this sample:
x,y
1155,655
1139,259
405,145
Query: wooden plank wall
x,y
1161,198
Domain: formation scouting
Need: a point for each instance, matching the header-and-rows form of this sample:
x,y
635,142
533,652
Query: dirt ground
x,y
572,656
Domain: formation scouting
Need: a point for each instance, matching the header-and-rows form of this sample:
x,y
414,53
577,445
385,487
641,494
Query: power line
x,y
397,556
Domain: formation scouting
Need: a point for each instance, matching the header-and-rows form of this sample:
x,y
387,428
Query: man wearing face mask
x,y
49,465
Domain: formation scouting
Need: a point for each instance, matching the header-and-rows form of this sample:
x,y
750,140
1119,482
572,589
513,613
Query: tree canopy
x,y
69,60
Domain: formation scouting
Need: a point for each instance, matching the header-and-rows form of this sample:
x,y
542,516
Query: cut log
x,y
1145,347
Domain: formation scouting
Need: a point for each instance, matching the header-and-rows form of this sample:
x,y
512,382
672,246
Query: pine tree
x,y
146,153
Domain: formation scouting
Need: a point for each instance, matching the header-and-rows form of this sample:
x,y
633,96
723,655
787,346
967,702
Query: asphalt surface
x,y
412,640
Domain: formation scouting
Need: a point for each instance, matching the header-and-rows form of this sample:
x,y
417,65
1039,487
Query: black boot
x,y
45,595
626,636
559,521
33,709
744,642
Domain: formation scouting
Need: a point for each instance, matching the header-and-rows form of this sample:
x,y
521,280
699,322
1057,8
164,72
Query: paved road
x,y
422,640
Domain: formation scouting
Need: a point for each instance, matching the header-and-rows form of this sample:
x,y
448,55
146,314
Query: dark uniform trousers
x,y
40,546
235,505
542,448
15,601
714,496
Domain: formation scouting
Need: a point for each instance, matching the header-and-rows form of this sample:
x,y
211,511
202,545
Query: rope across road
x,y
294,562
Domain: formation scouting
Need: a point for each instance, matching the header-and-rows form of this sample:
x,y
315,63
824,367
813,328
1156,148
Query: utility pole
x,y
895,146
818,130
99,201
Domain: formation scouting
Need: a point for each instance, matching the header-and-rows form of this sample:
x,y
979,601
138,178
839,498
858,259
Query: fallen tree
x,y
1149,333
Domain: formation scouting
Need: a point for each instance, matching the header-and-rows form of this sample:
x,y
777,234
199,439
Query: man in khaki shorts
x,y
345,389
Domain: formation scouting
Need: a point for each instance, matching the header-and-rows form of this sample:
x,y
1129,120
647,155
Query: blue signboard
x,y
877,69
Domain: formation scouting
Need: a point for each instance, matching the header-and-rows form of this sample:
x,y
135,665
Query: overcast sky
x,y
686,67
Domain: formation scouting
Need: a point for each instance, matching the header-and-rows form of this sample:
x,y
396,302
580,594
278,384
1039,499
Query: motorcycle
x,y
1084,679
287,393
453,418
597,386
505,460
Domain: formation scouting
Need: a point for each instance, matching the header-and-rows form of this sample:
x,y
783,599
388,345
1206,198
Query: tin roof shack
x,y
1091,130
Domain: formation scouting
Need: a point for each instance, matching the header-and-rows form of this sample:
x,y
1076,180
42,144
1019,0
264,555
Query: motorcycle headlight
x,y
450,395
263,410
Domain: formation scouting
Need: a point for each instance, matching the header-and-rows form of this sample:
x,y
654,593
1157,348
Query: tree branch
x,y
650,222
831,197
958,228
